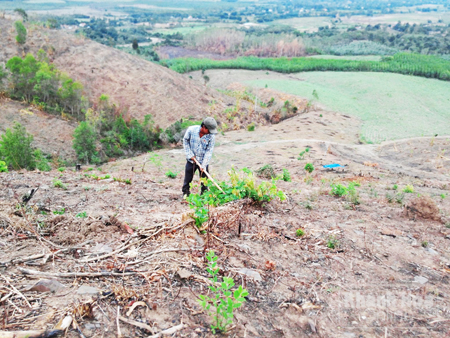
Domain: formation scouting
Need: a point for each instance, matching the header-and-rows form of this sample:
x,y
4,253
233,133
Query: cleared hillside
x,y
138,86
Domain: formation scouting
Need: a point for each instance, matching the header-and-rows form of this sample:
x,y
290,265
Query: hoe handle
x,y
209,176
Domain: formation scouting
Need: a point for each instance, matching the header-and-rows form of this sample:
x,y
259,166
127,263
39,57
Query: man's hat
x,y
210,124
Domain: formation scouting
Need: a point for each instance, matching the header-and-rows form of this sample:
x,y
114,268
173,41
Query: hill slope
x,y
139,86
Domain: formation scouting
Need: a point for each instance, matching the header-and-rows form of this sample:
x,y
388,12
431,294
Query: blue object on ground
x,y
333,165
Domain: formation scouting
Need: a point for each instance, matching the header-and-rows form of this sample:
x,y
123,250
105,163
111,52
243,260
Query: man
x,y
198,143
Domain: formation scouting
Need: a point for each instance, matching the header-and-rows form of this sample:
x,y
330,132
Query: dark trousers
x,y
189,172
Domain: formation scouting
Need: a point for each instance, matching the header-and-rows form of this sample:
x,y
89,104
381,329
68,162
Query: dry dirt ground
x,y
128,258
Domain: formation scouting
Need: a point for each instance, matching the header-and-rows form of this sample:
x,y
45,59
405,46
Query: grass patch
x,y
391,106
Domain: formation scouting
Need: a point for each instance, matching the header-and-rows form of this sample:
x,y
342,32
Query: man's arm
x,y
208,153
187,145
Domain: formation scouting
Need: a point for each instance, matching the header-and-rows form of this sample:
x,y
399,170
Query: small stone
x,y
420,279
184,274
45,285
87,290
431,251
251,273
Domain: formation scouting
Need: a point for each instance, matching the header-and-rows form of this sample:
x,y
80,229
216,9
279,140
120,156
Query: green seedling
x,y
59,212
171,174
81,214
223,301
59,184
299,232
302,154
309,167
409,189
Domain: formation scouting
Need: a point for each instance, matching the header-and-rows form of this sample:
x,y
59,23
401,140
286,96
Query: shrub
x,y
409,189
338,190
309,167
266,171
41,161
3,167
15,148
286,176
239,188
84,138
251,127
21,36
171,174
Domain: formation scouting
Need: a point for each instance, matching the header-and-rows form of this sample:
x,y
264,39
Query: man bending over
x,y
198,144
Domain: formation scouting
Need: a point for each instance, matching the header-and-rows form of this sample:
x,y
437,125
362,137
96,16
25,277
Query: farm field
x,y
417,18
391,106
308,24
347,57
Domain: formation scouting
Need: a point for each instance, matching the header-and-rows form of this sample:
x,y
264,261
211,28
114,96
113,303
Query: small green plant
x,y
81,214
3,167
59,184
171,174
251,127
399,197
59,212
332,242
308,179
395,187
309,167
61,169
266,171
389,197
286,176
223,300
409,189
155,159
338,190
122,180
442,195
299,232
302,154
425,244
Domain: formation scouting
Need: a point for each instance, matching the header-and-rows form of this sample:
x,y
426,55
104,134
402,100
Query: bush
x,y
15,148
286,176
84,138
41,161
309,167
21,32
3,167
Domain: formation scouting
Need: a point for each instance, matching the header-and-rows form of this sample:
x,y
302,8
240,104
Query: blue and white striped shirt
x,y
201,148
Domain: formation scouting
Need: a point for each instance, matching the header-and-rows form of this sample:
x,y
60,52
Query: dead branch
x,y
136,323
17,291
172,330
73,274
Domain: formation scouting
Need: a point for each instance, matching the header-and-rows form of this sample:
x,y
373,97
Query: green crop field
x,y
391,106
347,57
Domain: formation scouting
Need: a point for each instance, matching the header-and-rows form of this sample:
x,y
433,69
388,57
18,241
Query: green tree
x,y
21,37
84,138
15,148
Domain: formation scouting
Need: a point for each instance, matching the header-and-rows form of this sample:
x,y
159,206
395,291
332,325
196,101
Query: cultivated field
x,y
391,106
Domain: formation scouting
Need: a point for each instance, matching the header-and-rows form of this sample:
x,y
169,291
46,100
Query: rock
x,y
251,273
431,251
101,249
184,274
244,247
87,290
45,285
420,280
